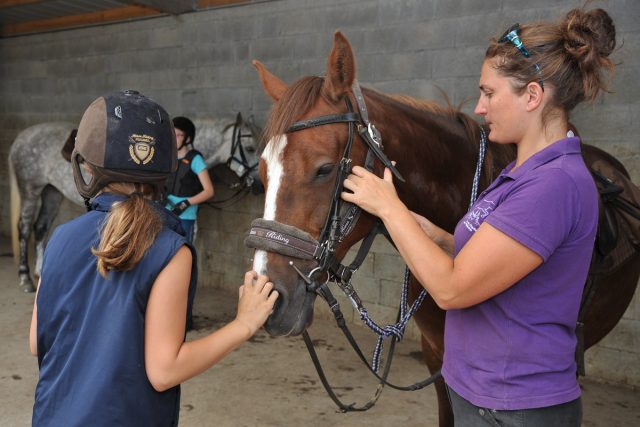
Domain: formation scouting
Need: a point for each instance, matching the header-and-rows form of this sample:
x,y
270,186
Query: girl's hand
x,y
256,300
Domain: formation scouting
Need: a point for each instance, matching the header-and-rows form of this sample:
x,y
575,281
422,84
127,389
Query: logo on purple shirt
x,y
476,216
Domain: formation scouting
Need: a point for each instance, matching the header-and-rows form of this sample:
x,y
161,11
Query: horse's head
x,y
244,157
299,169
231,147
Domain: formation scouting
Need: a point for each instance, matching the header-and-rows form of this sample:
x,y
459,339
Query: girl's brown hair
x,y
572,56
130,229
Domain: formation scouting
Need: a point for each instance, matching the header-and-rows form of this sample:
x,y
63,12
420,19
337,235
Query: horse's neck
x,y
436,154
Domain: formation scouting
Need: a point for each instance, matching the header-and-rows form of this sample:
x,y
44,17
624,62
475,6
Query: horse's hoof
x,y
27,286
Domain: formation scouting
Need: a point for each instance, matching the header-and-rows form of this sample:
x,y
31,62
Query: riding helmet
x,y
186,126
123,137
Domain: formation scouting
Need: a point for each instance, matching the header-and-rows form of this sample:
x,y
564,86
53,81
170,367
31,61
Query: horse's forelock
x,y
297,100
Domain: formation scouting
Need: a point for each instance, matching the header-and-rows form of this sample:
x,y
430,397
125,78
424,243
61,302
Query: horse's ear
x,y
273,86
341,68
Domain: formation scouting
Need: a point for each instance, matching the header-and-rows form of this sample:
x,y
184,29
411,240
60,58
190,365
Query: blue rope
x,y
396,330
476,177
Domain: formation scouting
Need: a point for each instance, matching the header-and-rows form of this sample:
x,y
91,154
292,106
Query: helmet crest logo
x,y
141,148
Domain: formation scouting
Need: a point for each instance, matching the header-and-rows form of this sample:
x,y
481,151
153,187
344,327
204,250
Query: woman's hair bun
x,y
589,35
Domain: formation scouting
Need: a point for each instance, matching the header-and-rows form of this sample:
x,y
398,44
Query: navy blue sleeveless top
x,y
90,330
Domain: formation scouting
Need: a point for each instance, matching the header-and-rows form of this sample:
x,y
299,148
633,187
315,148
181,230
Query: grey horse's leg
x,y
51,199
27,212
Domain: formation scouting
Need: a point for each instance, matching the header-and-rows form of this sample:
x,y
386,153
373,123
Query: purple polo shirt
x,y
516,350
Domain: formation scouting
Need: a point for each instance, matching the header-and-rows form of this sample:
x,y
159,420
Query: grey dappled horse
x,y
41,176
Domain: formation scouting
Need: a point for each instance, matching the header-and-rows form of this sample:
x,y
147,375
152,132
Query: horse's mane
x,y
425,104
301,96
447,110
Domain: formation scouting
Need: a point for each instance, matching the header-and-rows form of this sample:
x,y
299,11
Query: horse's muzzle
x,y
293,311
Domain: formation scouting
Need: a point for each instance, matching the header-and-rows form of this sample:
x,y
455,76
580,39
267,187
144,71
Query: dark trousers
x,y
188,225
466,414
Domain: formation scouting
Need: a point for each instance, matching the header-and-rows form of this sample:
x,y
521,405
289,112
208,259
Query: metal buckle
x,y
373,133
319,252
351,293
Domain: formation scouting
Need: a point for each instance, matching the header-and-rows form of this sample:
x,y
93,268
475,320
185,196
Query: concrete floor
x,y
270,381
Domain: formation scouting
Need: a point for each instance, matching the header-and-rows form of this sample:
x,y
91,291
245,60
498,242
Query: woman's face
x,y
504,110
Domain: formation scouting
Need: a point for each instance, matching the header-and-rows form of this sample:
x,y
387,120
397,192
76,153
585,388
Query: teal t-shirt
x,y
197,166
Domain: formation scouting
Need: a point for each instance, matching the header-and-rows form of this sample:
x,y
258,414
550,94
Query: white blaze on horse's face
x,y
272,155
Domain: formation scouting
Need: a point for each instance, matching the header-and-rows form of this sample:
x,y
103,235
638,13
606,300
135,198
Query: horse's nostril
x,y
282,298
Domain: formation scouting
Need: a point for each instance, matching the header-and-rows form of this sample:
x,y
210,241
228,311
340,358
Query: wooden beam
x,y
202,4
172,7
10,3
80,20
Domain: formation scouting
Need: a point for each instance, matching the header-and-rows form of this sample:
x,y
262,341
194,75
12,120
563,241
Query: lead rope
x,y
476,178
397,330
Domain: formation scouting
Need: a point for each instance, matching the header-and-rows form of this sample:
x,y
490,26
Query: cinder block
x,y
403,66
447,9
368,289
391,292
388,267
346,16
402,12
520,6
461,62
272,49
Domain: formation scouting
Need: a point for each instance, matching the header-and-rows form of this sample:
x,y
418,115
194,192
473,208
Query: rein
x,y
290,241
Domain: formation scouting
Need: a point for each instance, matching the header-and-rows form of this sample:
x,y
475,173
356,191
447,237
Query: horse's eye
x,y
250,149
324,170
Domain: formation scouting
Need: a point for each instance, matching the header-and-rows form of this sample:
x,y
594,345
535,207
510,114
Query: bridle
x,y
238,156
341,219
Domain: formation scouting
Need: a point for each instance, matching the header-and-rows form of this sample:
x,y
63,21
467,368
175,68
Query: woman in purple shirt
x,y
511,276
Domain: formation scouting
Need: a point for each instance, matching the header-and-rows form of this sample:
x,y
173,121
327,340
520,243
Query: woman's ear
x,y
535,95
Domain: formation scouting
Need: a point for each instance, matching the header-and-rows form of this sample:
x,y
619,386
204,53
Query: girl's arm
x,y
169,360
33,330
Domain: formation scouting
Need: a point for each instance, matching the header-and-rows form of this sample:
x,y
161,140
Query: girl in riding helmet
x,y
190,184
108,323
511,277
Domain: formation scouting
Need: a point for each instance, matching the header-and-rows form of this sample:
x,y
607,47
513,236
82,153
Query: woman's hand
x,y
375,195
256,301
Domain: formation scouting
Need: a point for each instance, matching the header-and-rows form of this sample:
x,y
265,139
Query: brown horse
x,y
436,151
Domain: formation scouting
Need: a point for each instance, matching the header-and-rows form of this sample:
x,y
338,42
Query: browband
x,y
324,120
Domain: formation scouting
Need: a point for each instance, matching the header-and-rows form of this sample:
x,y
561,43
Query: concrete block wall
x,y
198,65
